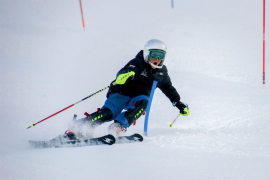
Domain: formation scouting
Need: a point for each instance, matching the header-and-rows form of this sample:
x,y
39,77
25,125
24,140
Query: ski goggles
x,y
154,54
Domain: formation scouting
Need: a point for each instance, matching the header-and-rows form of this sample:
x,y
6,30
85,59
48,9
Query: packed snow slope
x,y
214,60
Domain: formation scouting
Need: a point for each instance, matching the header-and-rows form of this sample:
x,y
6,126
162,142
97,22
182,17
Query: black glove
x,y
183,108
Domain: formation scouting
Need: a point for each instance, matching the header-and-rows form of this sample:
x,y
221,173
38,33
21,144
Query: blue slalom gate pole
x,y
148,108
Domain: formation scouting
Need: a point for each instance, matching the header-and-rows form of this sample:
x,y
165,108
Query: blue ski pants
x,y
119,104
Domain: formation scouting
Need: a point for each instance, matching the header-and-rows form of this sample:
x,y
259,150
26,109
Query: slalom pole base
x,y
145,134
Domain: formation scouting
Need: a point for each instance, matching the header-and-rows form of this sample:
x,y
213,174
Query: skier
x,y
128,94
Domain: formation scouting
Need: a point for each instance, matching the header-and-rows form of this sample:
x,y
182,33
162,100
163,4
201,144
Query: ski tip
x,y
138,137
131,138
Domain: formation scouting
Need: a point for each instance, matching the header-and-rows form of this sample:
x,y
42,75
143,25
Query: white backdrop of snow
x,y
215,62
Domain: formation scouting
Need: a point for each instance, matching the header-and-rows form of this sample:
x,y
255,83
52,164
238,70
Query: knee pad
x,y
132,114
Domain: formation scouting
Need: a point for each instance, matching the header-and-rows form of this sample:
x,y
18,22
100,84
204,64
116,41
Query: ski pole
x,y
32,125
82,15
171,125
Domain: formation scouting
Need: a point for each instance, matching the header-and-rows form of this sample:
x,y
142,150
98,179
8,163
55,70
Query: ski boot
x,y
97,118
132,115
70,135
67,136
116,129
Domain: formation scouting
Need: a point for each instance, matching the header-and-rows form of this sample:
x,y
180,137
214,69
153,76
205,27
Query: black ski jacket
x,y
143,80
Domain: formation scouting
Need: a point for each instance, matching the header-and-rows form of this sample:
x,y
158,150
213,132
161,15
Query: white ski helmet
x,y
154,44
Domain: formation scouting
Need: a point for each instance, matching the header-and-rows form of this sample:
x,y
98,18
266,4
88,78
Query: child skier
x,y
132,86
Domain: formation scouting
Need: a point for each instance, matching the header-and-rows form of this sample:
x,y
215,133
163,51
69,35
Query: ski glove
x,y
124,77
183,108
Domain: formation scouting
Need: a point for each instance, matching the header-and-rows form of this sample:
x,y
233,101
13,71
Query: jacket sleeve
x,y
167,88
130,66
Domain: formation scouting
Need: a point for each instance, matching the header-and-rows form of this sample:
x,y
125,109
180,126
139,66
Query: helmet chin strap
x,y
159,67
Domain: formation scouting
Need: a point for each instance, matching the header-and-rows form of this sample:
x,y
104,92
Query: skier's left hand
x,y
183,108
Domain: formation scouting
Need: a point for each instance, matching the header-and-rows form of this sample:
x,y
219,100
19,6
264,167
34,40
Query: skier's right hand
x,y
123,77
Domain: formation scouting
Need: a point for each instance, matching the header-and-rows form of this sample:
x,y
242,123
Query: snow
x,y
214,60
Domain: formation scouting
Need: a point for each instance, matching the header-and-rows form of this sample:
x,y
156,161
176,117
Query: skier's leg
x,y
133,114
136,106
85,126
113,106
98,117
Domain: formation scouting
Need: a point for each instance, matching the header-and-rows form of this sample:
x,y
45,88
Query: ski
x,y
131,138
107,139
